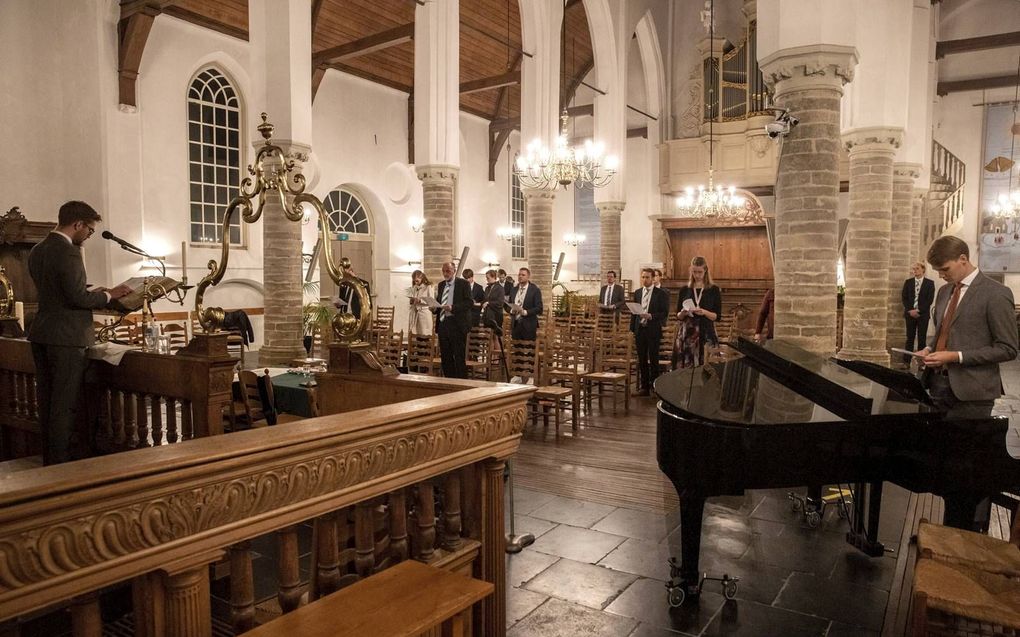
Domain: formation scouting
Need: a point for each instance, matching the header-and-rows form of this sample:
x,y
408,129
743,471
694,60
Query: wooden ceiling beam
x,y
504,93
497,139
575,82
130,7
205,21
515,122
133,32
976,84
371,77
490,83
316,11
980,43
364,46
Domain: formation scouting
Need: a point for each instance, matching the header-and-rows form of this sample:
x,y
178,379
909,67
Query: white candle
x,y
184,261
19,313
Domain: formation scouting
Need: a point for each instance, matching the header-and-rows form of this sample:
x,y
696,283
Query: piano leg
x,y
691,513
863,533
960,511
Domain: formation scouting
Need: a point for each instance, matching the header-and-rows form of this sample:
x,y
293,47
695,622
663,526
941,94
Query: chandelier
x,y
583,166
573,239
713,201
509,233
1007,206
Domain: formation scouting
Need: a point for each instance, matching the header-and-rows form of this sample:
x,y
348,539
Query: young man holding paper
x,y
649,311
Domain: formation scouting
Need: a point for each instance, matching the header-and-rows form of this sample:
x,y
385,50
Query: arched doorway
x,y
351,234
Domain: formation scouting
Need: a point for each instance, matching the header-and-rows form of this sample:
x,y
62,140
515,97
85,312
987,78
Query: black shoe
x,y
643,392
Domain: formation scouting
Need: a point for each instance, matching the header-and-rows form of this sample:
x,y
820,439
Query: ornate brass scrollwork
x,y
274,172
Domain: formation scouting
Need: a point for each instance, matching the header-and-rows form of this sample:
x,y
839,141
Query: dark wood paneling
x,y
734,253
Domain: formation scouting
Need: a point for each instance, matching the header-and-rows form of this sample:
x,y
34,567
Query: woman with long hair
x,y
419,316
698,308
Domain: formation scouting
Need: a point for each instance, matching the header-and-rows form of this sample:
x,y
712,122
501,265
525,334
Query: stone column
x,y
866,301
609,248
809,82
901,256
917,221
282,276
439,185
538,206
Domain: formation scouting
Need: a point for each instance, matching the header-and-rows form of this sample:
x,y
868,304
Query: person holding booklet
x,y
648,314
525,304
62,330
698,308
419,320
453,311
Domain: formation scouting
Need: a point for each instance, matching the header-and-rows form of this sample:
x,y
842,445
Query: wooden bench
x,y
407,600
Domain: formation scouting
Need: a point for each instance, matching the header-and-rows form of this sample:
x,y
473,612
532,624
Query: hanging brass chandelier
x,y
1007,205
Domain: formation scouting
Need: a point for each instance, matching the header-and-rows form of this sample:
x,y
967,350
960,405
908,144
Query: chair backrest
x,y
128,332
479,344
178,335
742,321
668,336
421,349
523,357
383,321
389,348
616,352
250,397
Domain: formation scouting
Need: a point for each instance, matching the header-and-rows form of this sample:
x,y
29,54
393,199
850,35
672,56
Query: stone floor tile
x,y
557,618
572,512
528,524
522,566
643,525
640,557
647,630
855,567
646,601
585,584
527,500
759,582
581,545
837,629
520,602
847,603
748,619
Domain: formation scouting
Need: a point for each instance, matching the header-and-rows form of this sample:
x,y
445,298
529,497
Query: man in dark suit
x,y
647,328
975,331
529,298
477,296
492,308
348,300
918,293
62,330
454,321
506,282
611,297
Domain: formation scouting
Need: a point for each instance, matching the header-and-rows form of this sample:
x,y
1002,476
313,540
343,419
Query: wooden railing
x,y
947,167
418,479
950,173
147,400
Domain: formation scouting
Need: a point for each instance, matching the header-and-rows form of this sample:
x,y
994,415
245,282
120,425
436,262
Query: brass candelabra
x,y
273,172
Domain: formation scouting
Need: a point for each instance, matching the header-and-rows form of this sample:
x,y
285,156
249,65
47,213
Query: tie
x,y
446,298
940,343
917,291
520,296
609,293
646,298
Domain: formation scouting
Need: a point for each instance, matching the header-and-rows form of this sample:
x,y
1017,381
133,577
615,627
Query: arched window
x,y
346,213
214,155
517,217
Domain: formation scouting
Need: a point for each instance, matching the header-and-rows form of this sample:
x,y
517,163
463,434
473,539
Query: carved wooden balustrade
x,y
147,400
422,479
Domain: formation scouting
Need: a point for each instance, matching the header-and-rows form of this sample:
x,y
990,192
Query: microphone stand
x,y
514,543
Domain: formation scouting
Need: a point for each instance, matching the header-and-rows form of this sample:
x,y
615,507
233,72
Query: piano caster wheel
x,y
729,589
675,596
674,568
796,503
813,518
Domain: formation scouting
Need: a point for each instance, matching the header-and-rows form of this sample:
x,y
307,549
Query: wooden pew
x,y
408,600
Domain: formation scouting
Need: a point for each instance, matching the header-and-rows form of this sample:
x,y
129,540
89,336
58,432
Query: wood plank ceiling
x,y
373,40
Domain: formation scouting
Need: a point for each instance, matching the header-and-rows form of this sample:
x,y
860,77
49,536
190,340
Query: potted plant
x,y
315,314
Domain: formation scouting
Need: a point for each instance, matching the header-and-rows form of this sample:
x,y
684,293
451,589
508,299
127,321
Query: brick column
x,y
538,205
809,82
865,304
438,184
282,275
900,254
609,248
917,221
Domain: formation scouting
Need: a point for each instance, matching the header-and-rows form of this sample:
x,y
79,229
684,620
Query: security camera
x,y
783,125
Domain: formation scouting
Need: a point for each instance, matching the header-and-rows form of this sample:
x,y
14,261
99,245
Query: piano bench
x,y
967,548
406,600
953,600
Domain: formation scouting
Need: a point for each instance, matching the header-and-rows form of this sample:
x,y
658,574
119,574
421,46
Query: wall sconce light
x,y
508,234
411,264
492,265
417,224
573,240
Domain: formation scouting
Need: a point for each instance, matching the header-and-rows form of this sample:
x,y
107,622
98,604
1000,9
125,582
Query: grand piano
x,y
778,416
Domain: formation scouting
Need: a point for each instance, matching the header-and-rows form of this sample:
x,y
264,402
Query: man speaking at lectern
x,y
62,330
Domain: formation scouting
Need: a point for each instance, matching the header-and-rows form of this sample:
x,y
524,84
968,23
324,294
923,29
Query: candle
x,y
184,262
19,313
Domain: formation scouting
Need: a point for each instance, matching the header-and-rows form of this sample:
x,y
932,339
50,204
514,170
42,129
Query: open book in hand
x,y
159,286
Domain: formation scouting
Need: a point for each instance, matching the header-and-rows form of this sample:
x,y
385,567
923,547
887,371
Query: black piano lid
x,y
762,383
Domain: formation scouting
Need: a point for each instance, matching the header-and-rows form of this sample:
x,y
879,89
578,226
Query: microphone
x,y
496,329
124,244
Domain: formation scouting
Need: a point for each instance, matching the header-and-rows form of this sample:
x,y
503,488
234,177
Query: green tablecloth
x,y
290,397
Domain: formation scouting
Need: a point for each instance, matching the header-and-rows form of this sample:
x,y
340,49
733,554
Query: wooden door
x,y
360,254
733,253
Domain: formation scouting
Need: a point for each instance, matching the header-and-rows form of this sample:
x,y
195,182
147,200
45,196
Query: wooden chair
x,y
952,599
613,363
128,332
282,419
479,347
383,319
565,364
666,345
250,410
178,335
390,348
421,354
547,400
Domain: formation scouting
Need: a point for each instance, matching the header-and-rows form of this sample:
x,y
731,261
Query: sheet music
x,y
635,308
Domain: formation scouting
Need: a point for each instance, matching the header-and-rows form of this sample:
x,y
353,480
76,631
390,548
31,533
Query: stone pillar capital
x,y
438,172
872,139
610,207
807,67
906,171
538,193
298,151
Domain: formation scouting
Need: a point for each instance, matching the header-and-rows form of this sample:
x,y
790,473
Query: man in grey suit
x,y
611,295
62,329
975,331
